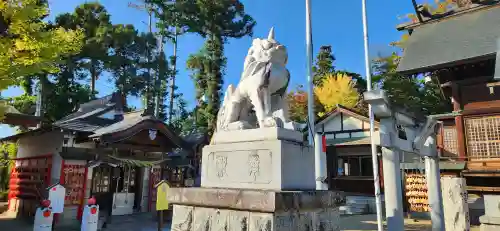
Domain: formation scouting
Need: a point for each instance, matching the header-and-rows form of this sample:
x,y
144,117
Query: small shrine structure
x,y
98,151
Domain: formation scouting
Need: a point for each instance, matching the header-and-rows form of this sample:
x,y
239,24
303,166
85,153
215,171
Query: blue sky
x,y
334,22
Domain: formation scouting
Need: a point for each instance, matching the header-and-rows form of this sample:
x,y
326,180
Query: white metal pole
x,y
310,93
376,181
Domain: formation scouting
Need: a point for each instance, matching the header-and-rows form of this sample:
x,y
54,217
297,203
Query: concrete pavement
x,y
146,222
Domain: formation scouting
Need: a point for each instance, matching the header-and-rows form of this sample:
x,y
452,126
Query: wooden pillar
x,y
331,166
459,121
381,172
459,125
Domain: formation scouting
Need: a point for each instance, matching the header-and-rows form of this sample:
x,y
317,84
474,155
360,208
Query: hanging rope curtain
x,y
136,163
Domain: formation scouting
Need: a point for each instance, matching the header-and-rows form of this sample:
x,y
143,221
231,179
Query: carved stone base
x,y
268,158
200,209
456,208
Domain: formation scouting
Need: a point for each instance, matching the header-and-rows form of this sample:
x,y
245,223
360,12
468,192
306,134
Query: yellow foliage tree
x,y
27,45
337,89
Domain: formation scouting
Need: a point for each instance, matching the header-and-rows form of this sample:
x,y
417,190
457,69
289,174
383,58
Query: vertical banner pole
x,y
376,178
310,90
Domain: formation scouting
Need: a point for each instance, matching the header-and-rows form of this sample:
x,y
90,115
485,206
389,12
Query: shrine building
x,y
103,152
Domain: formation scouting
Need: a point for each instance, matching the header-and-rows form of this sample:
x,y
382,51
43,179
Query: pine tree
x,y
324,64
216,21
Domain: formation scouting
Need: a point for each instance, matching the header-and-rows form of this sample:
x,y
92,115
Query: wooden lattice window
x,y
450,143
483,136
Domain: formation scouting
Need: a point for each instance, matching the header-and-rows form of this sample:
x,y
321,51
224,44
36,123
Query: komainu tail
x,y
222,116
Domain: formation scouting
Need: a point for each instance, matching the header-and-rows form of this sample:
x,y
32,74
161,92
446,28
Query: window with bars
x,y
101,180
483,137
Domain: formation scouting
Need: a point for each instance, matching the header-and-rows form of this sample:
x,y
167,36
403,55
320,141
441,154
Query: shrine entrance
x,y
116,188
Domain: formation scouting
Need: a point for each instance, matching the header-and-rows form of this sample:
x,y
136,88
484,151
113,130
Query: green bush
x,y
3,195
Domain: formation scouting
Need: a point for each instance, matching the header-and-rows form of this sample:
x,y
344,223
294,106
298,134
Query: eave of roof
x,y
457,12
434,46
18,119
449,165
342,109
133,123
355,141
37,131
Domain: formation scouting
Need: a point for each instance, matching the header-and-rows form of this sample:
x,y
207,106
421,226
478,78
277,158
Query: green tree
x,y
181,117
171,16
94,19
197,64
124,59
28,46
131,58
324,64
216,21
410,92
8,151
164,73
62,92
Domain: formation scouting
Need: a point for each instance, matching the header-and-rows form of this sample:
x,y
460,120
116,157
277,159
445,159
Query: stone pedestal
x,y
491,219
268,158
456,209
200,209
253,180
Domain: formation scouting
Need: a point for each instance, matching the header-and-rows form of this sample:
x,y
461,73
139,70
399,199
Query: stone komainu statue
x,y
259,100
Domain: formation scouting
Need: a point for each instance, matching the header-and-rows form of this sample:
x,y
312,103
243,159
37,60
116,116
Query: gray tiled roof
x,y
436,45
129,120
81,125
93,107
85,119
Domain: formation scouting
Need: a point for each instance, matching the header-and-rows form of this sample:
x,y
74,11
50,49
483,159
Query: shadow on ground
x,y
369,222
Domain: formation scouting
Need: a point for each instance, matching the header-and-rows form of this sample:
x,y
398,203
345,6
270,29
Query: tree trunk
x,y
216,53
172,81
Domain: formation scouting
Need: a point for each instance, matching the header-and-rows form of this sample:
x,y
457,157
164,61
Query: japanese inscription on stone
x,y
245,166
221,165
254,164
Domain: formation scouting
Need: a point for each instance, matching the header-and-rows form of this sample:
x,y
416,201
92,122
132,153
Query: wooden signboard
x,y
43,219
57,193
90,218
161,201
161,195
